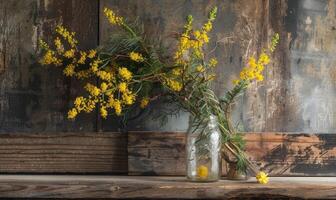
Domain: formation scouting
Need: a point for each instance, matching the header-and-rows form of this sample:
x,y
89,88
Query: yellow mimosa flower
x,y
72,113
137,57
103,112
144,102
125,73
262,177
112,17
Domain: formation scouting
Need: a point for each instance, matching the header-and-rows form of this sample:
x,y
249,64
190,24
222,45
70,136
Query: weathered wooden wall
x,y
35,98
298,93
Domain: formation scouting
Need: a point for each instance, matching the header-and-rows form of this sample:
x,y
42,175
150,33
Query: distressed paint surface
x,y
298,93
312,62
32,97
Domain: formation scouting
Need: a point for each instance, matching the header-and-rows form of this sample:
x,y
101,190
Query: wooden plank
x,y
34,98
63,153
293,154
125,187
279,154
153,153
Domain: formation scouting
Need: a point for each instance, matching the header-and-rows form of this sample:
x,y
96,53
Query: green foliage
x,y
232,94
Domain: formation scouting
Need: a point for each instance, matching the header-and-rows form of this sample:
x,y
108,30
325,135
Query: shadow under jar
x,y
203,150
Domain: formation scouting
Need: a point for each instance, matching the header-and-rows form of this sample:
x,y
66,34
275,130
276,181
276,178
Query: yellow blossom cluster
x,y
68,36
58,45
125,73
70,53
114,92
82,104
69,70
82,58
274,42
254,69
189,56
92,53
200,68
112,17
144,102
174,84
50,58
118,87
213,62
116,82
177,71
74,58
105,75
191,42
137,57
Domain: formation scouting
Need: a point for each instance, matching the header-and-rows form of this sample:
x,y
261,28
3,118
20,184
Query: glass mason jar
x,y
203,150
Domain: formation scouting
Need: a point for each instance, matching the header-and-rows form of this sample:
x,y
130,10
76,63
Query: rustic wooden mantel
x,y
151,187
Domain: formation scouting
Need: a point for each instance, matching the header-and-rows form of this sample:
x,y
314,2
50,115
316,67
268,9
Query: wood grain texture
x,y
63,153
35,98
152,153
279,154
125,187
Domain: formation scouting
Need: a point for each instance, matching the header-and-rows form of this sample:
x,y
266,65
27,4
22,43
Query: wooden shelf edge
x,y
155,187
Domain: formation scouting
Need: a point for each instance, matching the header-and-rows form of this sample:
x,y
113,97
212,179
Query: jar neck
x,y
209,121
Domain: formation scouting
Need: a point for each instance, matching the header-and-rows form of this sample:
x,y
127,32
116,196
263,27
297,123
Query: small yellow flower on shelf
x,y
202,172
262,177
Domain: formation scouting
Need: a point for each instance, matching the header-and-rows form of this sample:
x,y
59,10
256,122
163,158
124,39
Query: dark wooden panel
x,y
156,153
293,154
123,187
63,153
35,98
279,154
